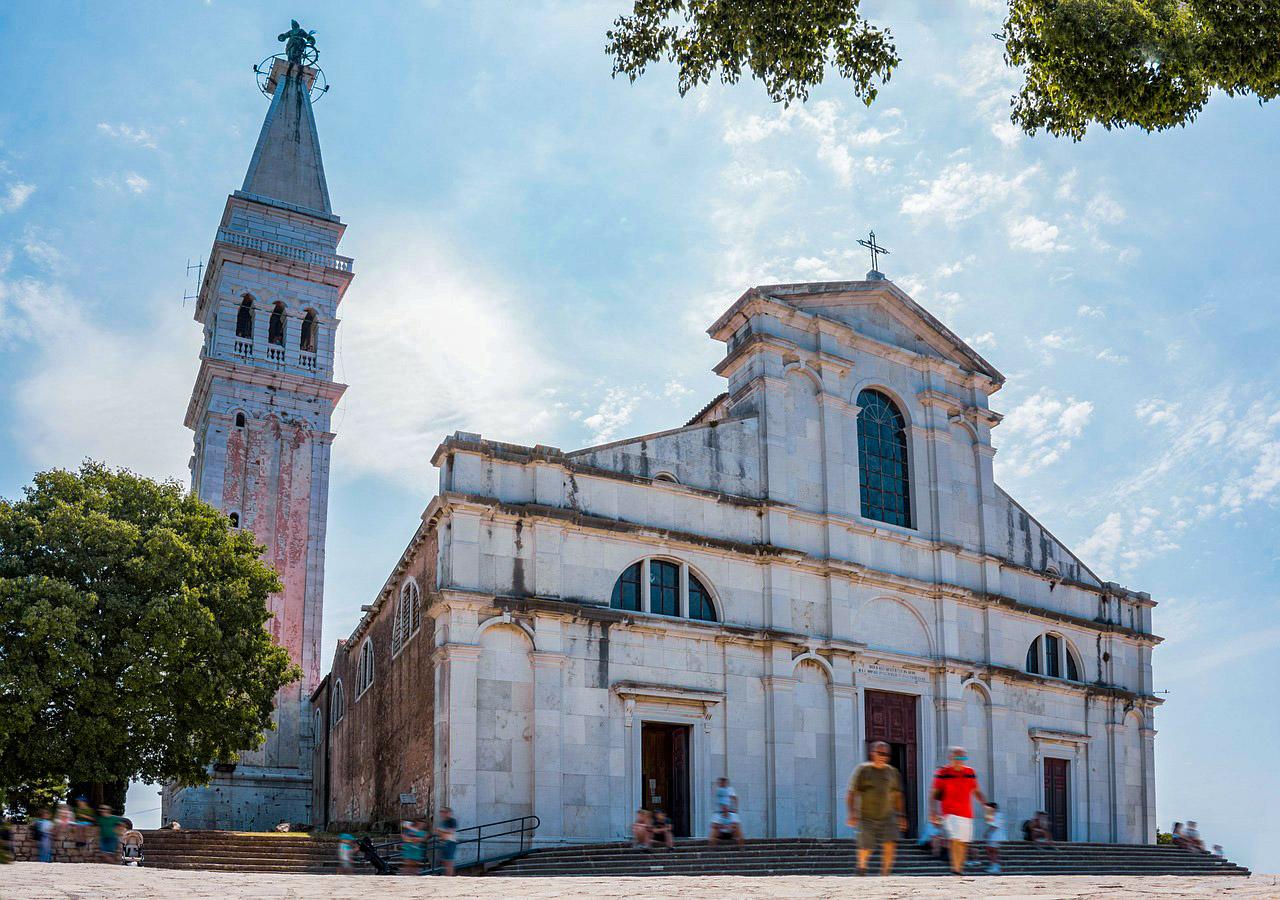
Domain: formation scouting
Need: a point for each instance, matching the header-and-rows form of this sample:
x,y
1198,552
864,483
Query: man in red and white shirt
x,y
955,788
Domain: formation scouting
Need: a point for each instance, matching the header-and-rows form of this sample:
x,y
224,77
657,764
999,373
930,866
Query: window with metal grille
x,y
884,482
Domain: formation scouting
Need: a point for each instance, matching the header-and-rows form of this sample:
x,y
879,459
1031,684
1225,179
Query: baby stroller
x,y
131,848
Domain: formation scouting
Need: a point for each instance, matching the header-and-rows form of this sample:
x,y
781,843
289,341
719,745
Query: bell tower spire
x,y
261,412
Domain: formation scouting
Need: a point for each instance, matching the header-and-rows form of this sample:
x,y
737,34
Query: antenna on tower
x,y
199,268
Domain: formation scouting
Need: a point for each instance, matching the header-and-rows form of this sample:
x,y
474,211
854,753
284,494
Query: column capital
x,y
459,652
547,659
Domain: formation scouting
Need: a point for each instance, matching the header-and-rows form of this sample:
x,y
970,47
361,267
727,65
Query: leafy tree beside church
x,y
132,639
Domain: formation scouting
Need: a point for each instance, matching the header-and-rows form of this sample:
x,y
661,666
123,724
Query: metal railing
x,y
288,251
506,840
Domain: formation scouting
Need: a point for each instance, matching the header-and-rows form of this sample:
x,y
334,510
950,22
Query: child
x,y
411,838
641,830
346,849
994,835
931,839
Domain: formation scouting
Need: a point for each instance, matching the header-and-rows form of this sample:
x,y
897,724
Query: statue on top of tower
x,y
298,42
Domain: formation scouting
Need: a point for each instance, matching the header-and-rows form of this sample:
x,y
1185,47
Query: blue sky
x,y
539,249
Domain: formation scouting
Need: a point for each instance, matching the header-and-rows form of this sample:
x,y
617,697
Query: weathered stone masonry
x,y
997,635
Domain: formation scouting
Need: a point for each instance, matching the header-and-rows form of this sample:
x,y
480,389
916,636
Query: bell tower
x,y
261,411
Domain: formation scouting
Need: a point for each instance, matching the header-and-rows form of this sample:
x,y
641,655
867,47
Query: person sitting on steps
x,y
660,830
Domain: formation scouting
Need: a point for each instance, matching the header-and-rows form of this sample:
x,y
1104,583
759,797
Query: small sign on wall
x,y
408,798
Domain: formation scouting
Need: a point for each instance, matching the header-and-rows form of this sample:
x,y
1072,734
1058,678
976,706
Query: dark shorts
x,y
874,832
109,844
448,851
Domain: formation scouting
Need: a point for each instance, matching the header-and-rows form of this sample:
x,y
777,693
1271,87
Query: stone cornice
x,y
769,638
258,376
762,552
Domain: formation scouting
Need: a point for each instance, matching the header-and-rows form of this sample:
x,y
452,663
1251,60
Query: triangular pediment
x,y
882,311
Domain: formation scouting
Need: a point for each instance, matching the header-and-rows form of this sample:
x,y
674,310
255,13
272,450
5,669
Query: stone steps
x,y
223,851
814,857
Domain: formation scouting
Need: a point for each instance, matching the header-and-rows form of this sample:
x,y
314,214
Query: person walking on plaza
x,y
994,836
108,834
447,835
44,827
412,838
874,800
346,854
955,788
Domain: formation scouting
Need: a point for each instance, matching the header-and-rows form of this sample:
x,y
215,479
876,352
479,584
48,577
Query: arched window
x,y
364,668
244,319
408,616
1050,655
235,519
239,420
700,605
667,477
673,591
275,328
883,478
337,704
626,590
307,343
664,588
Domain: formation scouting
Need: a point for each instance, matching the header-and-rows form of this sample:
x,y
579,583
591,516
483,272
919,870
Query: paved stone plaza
x,y
32,881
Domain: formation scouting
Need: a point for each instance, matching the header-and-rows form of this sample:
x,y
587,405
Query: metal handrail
x,y
385,857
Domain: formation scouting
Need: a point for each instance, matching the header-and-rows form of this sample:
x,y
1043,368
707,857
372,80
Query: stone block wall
x,y
66,848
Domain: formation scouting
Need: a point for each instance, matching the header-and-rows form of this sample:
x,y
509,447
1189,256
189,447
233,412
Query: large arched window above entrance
x,y
244,319
1051,655
674,590
884,479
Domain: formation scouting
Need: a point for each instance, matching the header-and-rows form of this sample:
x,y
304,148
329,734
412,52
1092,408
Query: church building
x,y
818,559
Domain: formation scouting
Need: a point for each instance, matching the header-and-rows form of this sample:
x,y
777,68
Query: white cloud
x,y
614,411
840,143
130,135
1067,185
1106,354
439,345
1085,311
1103,208
674,390
131,182
1008,134
960,192
1040,430
1035,235
985,340
1156,412
15,196
119,396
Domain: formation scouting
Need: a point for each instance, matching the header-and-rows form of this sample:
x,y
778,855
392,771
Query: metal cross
x,y
876,250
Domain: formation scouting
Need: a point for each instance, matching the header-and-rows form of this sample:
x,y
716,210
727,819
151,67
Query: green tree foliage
x,y
131,633
1115,63
787,44
1149,63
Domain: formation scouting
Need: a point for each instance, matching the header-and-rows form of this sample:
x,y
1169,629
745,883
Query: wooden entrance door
x,y
892,718
664,772
1057,793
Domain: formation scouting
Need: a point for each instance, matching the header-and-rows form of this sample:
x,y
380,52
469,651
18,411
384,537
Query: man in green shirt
x,y
108,834
875,806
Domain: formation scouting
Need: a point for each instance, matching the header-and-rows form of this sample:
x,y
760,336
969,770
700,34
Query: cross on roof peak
x,y
876,250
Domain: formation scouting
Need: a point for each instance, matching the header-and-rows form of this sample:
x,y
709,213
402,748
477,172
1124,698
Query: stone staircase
x,y
830,857
237,851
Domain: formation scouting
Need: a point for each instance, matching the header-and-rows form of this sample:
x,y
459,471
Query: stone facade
x,y
547,694
261,410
